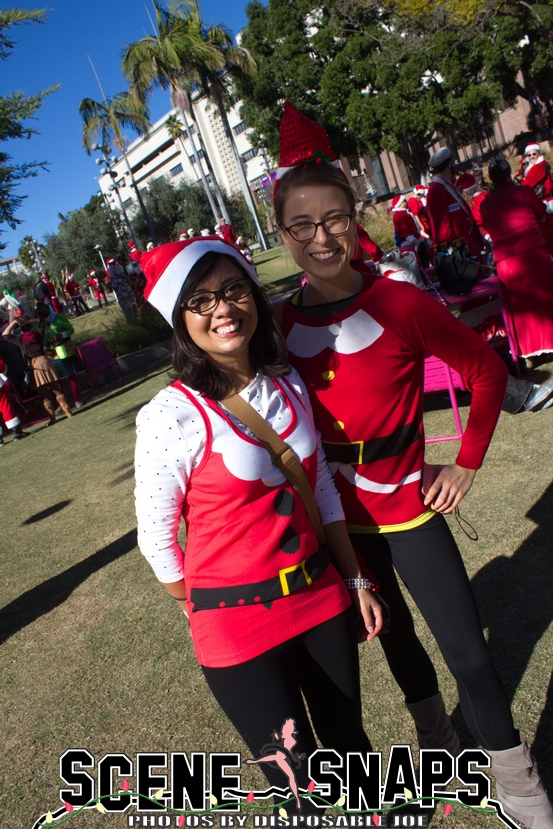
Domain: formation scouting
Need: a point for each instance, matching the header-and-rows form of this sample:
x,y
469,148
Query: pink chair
x,y
96,358
440,377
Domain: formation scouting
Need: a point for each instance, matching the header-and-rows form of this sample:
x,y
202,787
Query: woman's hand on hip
x,y
450,486
370,609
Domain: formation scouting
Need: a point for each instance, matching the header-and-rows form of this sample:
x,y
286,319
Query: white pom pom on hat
x,y
167,268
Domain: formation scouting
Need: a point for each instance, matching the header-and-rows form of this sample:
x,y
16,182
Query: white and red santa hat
x,y
167,268
302,140
398,202
466,182
420,190
92,273
532,148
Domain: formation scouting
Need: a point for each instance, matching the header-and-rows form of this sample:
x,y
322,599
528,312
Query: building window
x,y
192,159
249,154
176,170
127,203
239,128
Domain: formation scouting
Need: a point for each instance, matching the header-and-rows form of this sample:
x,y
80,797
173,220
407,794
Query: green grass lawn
x,y
97,655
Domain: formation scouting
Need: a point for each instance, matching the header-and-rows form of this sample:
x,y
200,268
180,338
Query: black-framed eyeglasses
x,y
306,231
205,301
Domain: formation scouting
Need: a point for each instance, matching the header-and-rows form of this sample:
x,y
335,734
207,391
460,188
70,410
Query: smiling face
x,y
224,333
325,258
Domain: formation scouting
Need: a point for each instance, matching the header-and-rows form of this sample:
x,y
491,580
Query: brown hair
x,y
306,175
191,364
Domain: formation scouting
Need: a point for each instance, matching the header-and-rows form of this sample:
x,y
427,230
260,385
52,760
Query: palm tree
x,y
214,83
177,132
103,124
164,60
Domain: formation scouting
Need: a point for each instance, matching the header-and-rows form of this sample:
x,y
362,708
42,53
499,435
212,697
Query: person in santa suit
x,y
514,218
228,232
450,216
270,616
417,206
537,172
54,301
359,342
73,292
365,245
8,411
407,229
135,254
98,288
472,192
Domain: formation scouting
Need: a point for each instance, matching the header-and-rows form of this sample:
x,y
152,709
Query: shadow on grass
x,y
43,598
45,513
151,372
515,599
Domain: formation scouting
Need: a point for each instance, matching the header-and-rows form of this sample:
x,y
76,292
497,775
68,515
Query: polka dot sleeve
x,y
164,460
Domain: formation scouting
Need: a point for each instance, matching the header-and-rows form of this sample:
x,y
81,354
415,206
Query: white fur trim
x,y
532,147
283,170
165,292
13,422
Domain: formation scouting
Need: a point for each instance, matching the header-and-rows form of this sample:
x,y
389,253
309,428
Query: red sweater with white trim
x,y
364,371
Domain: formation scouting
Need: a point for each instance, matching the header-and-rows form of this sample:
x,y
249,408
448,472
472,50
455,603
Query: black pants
x,y
430,565
259,695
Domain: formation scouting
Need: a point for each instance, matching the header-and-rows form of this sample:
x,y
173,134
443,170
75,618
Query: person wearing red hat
x,y
270,617
74,294
98,288
451,218
406,228
359,342
417,206
54,301
537,172
472,192
121,287
514,217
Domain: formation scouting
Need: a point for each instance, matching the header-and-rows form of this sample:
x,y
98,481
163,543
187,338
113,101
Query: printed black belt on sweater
x,y
289,580
375,449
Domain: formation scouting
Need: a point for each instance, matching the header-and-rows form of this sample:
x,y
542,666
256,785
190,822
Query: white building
x,y
157,154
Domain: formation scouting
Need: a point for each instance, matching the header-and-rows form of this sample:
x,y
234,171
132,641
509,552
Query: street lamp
x,y
99,249
32,244
134,185
106,170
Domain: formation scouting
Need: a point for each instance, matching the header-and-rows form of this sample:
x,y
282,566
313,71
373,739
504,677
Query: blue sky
x,y
56,52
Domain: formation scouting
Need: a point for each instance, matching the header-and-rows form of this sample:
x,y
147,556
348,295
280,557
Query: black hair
x,y
191,364
499,169
307,174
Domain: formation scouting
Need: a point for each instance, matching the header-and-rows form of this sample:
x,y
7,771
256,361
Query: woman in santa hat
x,y
407,229
359,343
270,617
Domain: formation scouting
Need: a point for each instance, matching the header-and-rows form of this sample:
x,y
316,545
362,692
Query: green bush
x,y
124,336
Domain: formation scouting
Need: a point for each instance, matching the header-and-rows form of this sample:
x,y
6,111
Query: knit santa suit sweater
x,y
364,371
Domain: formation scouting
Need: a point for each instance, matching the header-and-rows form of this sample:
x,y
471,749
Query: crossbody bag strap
x,y
281,455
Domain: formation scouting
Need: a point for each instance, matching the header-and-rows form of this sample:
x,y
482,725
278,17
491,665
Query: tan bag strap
x,y
281,455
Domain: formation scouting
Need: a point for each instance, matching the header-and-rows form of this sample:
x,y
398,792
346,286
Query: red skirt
x,y
528,290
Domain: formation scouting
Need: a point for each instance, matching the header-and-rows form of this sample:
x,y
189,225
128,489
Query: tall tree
x,y
217,86
163,59
72,248
103,125
373,82
15,109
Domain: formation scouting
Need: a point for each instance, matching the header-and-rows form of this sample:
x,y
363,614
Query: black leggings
x,y
259,695
430,565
